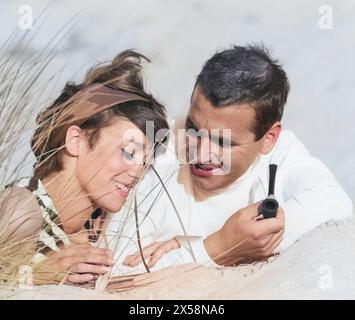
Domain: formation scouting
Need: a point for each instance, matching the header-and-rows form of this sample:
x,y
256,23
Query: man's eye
x,y
217,141
127,155
221,142
193,134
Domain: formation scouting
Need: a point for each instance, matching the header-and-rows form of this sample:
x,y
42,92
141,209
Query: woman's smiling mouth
x,y
122,189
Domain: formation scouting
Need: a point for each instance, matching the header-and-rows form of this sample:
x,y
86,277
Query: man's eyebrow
x,y
189,124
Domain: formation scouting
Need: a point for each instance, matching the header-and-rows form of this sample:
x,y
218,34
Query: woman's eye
x,y
127,155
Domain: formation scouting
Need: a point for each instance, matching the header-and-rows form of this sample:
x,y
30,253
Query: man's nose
x,y
208,152
204,150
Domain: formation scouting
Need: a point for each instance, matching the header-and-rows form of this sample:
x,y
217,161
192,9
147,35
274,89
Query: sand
x,y
174,36
321,265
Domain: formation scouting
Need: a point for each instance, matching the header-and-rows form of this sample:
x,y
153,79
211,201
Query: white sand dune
x,y
321,265
179,36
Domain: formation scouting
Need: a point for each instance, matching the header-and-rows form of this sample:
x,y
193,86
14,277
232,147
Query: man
x,y
207,210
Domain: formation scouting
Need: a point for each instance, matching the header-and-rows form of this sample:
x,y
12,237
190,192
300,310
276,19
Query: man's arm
x,y
312,197
243,238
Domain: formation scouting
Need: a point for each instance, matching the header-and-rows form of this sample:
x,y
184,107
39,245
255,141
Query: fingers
x,y
264,247
98,259
271,225
274,243
74,255
85,250
161,250
98,251
84,272
89,268
280,215
268,249
270,252
79,278
251,212
155,251
136,259
81,250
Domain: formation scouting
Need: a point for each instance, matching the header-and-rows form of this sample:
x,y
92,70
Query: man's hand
x,y
154,252
246,237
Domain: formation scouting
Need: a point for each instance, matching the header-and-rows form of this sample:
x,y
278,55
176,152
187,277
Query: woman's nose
x,y
135,171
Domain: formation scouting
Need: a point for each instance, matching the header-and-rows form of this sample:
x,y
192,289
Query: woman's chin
x,y
111,204
112,208
110,201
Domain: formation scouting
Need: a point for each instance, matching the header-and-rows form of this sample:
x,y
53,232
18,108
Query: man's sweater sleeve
x,y
308,192
312,197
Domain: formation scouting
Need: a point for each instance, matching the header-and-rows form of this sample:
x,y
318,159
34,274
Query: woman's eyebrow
x,y
139,145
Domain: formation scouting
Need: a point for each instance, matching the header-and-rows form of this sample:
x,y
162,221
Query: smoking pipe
x,y
268,207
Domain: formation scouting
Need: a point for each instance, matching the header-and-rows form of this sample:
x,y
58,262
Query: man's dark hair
x,y
246,75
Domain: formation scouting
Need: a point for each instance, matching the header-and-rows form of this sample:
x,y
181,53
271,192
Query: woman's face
x,y
107,171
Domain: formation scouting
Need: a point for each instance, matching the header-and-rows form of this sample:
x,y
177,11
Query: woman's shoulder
x,y
17,196
19,211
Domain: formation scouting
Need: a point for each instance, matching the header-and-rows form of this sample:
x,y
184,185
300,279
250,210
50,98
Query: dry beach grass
x,y
296,273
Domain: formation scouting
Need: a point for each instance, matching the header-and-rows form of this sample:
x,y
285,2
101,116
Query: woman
x,y
91,148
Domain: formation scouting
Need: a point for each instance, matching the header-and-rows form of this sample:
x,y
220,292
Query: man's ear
x,y
72,140
270,138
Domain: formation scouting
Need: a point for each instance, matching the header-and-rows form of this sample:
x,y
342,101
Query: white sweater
x,y
305,189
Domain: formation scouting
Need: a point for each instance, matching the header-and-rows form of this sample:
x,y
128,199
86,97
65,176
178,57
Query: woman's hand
x,y
80,262
154,252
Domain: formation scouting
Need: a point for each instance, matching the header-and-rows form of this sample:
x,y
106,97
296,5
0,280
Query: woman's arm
x,y
20,226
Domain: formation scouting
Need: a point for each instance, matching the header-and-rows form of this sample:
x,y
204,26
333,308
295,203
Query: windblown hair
x,y
123,73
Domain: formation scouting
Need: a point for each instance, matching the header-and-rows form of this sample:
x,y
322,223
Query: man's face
x,y
213,166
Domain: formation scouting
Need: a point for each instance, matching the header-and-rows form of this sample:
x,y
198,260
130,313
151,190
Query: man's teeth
x,y
121,187
206,167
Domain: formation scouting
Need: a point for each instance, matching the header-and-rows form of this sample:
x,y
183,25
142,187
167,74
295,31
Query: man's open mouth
x,y
205,170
